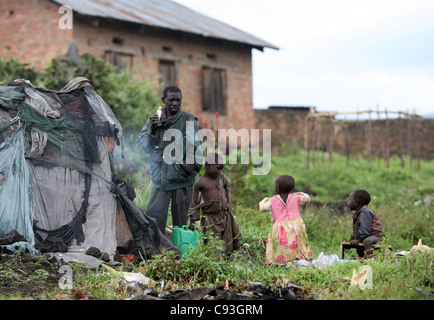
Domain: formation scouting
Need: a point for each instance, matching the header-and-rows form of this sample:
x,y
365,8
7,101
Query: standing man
x,y
172,176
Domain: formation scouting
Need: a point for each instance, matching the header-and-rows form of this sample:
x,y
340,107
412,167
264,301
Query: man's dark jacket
x,y
173,173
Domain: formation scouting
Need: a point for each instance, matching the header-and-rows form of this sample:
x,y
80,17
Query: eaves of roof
x,y
164,14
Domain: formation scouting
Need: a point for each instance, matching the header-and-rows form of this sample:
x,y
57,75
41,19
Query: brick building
x,y
165,41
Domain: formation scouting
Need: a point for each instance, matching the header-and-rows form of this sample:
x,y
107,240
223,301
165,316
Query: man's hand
x,y
154,121
354,242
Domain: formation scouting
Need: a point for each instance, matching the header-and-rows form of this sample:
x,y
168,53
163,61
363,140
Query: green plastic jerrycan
x,y
185,239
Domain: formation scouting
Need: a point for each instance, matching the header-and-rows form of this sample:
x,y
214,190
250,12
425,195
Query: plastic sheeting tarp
x,y
58,196
16,192
58,199
148,238
71,207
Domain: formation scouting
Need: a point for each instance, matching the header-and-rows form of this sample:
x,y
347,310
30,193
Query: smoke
x,y
134,166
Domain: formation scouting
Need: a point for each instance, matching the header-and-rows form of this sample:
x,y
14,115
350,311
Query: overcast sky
x,y
337,55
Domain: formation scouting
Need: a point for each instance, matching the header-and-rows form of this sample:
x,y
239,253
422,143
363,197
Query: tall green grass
x,y
334,181
397,198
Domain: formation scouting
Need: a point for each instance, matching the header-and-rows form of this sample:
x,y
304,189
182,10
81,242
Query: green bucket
x,y
185,239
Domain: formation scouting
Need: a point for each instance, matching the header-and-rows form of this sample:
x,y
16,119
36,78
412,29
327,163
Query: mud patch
x,y
27,276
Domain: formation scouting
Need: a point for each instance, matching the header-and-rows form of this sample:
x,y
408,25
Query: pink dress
x,y
287,239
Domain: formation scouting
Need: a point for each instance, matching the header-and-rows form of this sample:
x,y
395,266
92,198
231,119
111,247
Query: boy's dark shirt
x,y
366,223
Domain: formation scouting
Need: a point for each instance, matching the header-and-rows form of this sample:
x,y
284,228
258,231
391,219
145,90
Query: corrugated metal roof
x,y
164,14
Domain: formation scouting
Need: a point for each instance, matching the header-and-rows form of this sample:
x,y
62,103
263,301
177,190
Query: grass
x,y
403,278
397,198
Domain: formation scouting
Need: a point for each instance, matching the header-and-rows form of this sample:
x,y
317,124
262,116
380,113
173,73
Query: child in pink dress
x,y
287,240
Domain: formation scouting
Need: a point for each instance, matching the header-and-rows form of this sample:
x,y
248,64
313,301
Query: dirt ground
x,y
30,277
27,276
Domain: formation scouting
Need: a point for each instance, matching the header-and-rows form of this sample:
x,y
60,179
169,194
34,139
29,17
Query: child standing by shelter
x,y
287,239
367,227
212,196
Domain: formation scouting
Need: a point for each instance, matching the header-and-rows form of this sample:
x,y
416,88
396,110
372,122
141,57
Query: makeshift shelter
x,y
58,186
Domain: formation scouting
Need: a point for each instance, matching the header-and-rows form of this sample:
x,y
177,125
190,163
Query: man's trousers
x,y
159,201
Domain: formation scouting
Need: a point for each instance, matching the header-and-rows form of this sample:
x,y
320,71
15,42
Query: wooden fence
x,y
368,131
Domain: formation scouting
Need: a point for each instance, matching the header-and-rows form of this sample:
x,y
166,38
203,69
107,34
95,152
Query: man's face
x,y
173,102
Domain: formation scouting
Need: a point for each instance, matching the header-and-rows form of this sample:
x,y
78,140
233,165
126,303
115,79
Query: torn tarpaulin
x,y
62,203
16,187
148,239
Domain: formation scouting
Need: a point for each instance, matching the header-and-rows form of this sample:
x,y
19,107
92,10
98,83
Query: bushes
x,y
13,69
131,98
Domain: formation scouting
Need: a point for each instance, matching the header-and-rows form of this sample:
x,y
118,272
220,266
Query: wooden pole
x,y
306,141
331,140
319,141
347,144
409,134
417,138
380,129
401,142
386,141
368,139
313,148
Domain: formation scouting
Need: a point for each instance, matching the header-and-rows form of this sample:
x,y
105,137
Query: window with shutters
x,y
123,61
214,90
167,72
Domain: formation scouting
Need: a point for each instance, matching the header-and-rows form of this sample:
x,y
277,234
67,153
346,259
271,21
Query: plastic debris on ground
x,y
417,248
323,261
421,248
359,278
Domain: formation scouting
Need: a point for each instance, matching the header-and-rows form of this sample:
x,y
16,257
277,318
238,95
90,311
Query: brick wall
x,y
399,136
286,124
29,32
190,54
